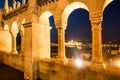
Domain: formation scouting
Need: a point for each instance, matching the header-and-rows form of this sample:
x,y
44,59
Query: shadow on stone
x,y
8,73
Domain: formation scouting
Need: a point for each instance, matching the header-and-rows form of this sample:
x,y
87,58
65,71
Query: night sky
x,y
79,27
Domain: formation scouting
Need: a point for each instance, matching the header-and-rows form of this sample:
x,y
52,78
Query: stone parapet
x,y
51,70
15,61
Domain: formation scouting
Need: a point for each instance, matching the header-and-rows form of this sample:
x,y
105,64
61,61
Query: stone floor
x,y
8,73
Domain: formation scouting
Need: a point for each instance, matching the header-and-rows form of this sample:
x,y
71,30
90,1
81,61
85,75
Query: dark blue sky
x,y
79,27
111,21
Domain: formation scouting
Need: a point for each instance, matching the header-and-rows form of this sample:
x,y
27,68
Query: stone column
x,y
97,43
61,43
14,50
23,2
97,58
22,44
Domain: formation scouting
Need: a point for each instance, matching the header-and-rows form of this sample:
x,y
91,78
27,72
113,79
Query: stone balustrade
x,y
50,69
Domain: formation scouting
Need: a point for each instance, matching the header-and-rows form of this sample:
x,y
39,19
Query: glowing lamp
x,y
78,63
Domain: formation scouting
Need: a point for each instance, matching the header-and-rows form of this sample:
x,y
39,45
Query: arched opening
x,y
67,11
46,21
78,33
14,32
18,42
6,28
111,32
75,20
53,36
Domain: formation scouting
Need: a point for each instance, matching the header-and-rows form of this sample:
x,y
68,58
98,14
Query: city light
x,y
78,62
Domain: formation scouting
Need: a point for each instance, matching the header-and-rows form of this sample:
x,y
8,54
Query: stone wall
x,y
16,61
53,70
5,41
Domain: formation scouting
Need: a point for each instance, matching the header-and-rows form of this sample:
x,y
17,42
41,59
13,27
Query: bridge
x,y
31,19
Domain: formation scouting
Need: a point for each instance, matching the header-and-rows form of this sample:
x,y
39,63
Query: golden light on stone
x,y
44,18
33,21
6,28
107,2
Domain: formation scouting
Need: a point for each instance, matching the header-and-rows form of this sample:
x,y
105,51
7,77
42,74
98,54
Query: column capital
x,y
96,17
28,24
62,28
96,26
60,25
14,34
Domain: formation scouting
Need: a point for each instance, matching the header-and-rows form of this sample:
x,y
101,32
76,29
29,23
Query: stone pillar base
x,y
61,61
14,52
97,67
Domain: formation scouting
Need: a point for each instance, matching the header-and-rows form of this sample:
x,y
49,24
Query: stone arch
x,y
44,18
69,9
106,3
6,27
